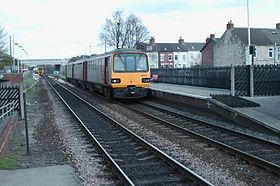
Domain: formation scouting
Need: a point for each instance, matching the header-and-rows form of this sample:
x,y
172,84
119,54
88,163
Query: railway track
x,y
254,150
135,161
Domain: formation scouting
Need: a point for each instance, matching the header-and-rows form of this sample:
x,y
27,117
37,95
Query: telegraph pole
x,y
249,34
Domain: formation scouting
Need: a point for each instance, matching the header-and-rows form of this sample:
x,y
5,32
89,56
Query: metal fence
x,y
7,110
9,94
258,80
204,77
267,80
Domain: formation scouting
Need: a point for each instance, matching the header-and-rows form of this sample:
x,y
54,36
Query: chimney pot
x,y
181,40
152,41
230,25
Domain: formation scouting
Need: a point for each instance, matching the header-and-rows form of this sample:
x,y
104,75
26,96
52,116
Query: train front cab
x,y
130,75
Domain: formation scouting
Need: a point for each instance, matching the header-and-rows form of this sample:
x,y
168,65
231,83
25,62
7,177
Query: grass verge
x,y
9,161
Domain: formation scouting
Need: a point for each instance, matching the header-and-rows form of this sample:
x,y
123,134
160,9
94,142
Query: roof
x,y
179,47
215,40
259,36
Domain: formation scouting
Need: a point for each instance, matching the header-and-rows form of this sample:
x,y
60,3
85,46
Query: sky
x,y
66,28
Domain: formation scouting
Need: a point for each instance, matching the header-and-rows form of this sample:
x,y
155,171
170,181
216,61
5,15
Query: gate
x,y
10,94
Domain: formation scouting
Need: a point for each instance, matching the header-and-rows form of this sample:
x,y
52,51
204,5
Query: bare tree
x,y
123,32
3,42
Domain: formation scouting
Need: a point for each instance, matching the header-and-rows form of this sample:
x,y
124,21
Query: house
x,y
207,51
232,48
172,55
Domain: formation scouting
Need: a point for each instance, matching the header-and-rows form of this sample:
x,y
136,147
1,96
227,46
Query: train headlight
x,y
145,80
115,80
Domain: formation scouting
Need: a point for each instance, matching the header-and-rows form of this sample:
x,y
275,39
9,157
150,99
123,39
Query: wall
x,y
17,78
262,55
6,134
207,56
229,51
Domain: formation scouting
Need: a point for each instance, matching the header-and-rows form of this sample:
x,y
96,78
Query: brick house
x,y
172,55
207,52
232,47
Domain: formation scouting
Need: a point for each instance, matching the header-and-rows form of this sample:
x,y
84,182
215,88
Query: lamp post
x,y
178,60
19,55
249,34
14,53
118,34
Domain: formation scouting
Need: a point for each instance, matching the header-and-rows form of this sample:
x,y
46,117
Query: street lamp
x,y
18,60
178,56
118,34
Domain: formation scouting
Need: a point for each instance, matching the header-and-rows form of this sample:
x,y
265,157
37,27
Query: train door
x,y
73,71
106,71
85,71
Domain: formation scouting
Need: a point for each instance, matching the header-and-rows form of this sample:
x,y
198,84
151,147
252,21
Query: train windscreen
x,y
130,63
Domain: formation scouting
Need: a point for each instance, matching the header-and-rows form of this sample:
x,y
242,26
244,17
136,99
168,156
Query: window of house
x,y
162,58
176,57
270,52
191,56
169,57
184,57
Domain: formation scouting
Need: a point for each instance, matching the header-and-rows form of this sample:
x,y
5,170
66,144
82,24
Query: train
x,y
40,71
121,73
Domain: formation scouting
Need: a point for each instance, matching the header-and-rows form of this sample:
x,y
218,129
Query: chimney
x,y
152,41
212,36
230,25
181,41
278,26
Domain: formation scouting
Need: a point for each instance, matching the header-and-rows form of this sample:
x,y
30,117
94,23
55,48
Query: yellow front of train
x,y
130,74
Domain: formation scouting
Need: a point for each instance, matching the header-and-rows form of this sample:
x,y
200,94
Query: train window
x,y
130,63
119,63
141,63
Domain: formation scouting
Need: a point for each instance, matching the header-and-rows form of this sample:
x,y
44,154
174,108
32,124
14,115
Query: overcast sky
x,y
66,28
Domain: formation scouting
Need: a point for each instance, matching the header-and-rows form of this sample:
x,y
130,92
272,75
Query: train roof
x,y
121,50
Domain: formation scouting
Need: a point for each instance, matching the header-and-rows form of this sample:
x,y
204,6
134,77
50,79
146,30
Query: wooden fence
x,y
258,80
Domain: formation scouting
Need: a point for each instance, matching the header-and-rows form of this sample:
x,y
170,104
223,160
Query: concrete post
x,y
232,80
251,80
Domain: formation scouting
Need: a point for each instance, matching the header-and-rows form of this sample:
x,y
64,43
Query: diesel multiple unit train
x,y
122,73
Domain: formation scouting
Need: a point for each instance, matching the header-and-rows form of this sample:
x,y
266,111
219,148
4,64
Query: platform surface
x,y
268,113
60,175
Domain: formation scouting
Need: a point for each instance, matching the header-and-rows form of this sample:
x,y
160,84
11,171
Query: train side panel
x,y
69,71
95,71
78,71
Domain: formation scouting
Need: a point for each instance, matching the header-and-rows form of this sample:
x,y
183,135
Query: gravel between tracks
x,y
214,165
54,139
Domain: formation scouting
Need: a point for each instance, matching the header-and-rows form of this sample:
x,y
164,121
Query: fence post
x,y
251,74
21,106
26,124
232,80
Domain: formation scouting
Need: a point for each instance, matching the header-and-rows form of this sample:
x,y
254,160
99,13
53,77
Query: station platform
x,y
266,115
60,175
